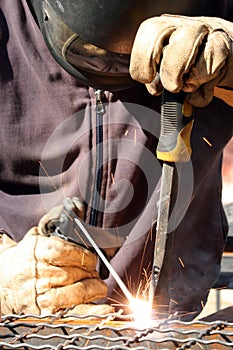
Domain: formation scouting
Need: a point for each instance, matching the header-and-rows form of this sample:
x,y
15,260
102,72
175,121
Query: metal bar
x,y
74,332
162,226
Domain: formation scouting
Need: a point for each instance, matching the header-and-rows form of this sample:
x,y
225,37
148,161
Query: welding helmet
x,y
92,39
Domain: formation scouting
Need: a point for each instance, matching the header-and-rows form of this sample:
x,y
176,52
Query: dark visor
x,y
91,64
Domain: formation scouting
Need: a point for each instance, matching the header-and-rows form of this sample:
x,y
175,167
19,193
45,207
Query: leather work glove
x,y
42,275
193,54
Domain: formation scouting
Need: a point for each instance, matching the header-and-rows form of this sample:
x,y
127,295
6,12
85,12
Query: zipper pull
x,y
99,95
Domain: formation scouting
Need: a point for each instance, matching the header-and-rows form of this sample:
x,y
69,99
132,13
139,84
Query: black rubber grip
x,y
173,124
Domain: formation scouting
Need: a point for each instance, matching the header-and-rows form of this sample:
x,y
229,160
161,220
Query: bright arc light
x,y
142,312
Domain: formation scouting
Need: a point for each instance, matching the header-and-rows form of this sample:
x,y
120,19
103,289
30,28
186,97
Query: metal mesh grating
x,y
65,331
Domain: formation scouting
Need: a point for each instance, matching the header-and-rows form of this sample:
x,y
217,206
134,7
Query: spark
x,y
138,307
143,288
112,177
126,133
135,136
181,261
115,301
187,149
105,261
67,214
83,257
79,236
149,237
207,141
47,174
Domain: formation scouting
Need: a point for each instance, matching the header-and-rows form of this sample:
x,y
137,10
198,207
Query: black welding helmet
x,y
92,39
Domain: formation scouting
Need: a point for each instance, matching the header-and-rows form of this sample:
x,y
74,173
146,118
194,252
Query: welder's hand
x,y
62,217
42,275
193,54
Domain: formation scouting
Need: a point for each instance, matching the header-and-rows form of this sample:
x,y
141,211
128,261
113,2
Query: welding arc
x,y
105,261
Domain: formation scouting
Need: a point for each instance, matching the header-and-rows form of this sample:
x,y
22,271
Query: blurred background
x,y
220,298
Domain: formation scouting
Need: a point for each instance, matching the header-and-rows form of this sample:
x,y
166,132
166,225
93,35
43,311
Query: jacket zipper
x,y
99,109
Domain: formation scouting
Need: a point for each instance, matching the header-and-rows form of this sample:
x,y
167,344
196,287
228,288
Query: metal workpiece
x,y
116,332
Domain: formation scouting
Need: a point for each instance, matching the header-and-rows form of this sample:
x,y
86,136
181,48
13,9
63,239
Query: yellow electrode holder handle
x,y
176,126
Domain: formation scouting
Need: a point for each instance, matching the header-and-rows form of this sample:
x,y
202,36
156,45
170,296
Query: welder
x,y
81,85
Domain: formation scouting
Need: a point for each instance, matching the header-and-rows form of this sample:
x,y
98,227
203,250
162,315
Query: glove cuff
x,y
14,298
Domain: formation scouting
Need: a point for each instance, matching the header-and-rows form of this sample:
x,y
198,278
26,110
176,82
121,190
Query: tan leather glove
x,y
42,275
193,54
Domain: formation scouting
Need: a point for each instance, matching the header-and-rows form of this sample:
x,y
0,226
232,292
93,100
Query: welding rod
x,y
105,261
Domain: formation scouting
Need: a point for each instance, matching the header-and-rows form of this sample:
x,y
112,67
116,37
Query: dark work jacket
x,y
54,145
